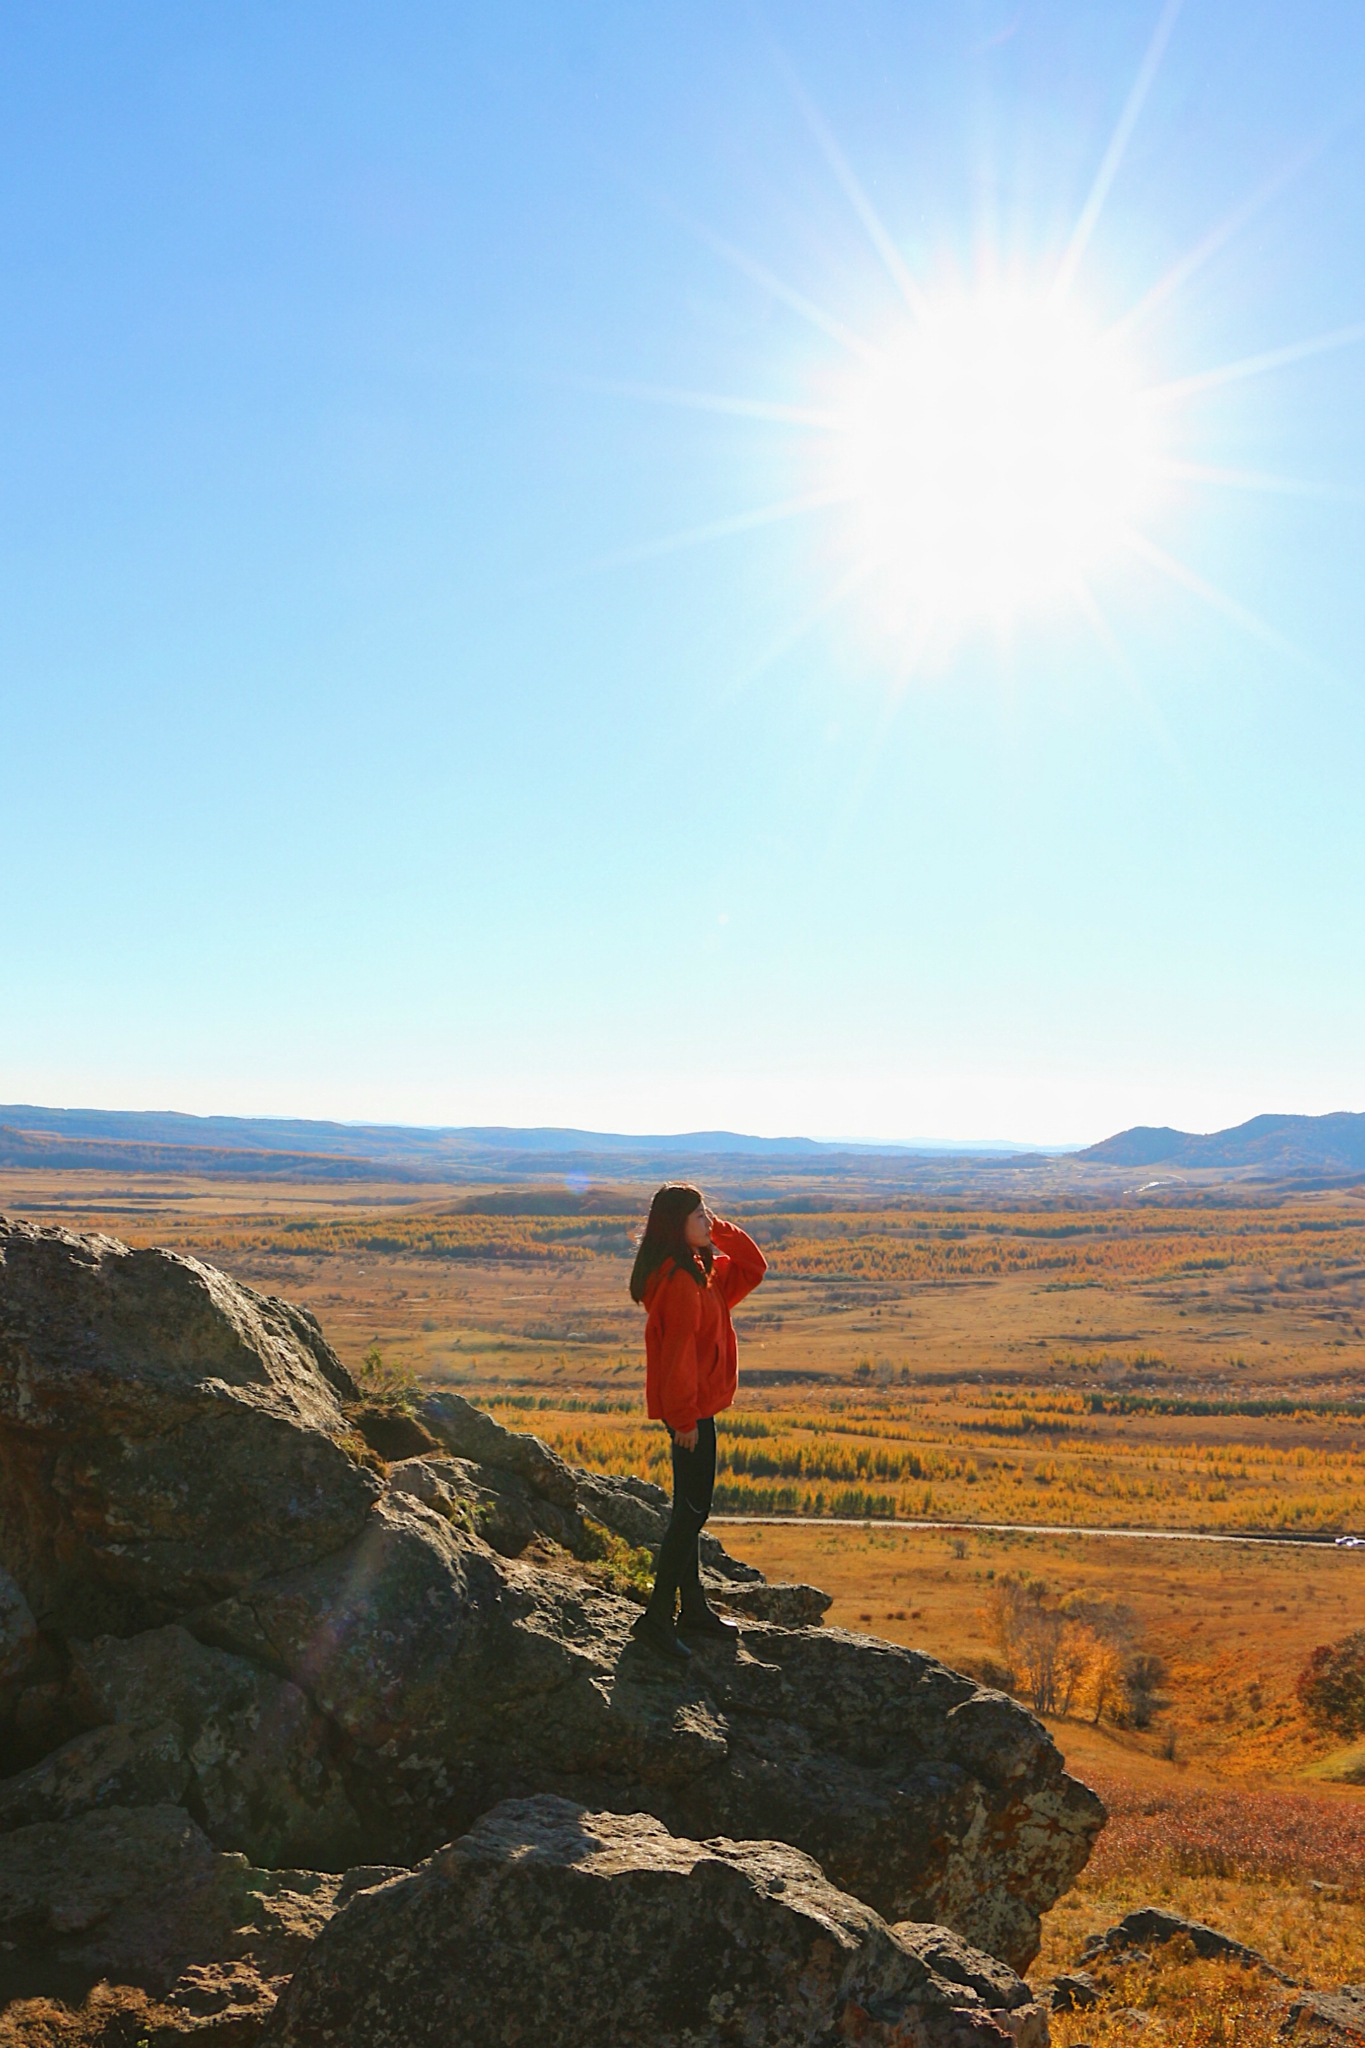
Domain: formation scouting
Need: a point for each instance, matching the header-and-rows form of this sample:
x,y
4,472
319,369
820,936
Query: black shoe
x,y
708,1623
657,1636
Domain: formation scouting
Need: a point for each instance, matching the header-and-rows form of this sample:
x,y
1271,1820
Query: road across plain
x,y
1025,1529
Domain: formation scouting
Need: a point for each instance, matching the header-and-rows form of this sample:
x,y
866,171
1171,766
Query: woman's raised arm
x,y
745,1263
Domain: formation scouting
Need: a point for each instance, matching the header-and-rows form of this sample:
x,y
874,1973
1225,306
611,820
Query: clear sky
x,y
627,564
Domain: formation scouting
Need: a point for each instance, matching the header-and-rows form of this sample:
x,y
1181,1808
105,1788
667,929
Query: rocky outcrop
x,y
639,1511
791,1606
1152,1926
516,1488
166,1436
546,1923
469,1433
457,1677
1071,1991
503,1464
229,1609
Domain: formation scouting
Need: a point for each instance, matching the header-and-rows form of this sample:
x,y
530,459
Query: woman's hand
x,y
686,1439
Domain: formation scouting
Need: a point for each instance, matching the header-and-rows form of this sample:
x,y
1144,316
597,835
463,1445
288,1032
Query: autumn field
x,y
1190,1368
1186,1365
1194,1364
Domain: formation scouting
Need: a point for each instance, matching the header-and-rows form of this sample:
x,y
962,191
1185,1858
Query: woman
x,y
690,1271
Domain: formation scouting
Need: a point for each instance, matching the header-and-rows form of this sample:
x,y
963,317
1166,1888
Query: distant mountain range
x,y
290,1148
167,1141
1332,1144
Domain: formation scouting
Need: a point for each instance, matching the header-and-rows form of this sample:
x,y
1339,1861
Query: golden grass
x,y
112,2016
1197,2005
1281,1872
1292,1247
1051,1457
1236,1323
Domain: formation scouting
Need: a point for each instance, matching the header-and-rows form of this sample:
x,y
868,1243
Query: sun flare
x,y
992,463
997,454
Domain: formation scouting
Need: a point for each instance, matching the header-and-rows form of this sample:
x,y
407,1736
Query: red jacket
x,y
691,1357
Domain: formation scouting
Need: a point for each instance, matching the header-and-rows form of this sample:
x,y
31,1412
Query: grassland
x,y
1196,1364
1190,1364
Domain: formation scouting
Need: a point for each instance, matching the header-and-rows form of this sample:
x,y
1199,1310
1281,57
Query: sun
x,y
1000,456
996,454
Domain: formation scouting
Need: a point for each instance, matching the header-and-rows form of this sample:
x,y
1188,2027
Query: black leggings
x,y
679,1567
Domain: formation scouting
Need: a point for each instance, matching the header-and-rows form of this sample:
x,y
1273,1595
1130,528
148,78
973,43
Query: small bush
x,y
1331,1686
1143,1676
387,1385
628,1566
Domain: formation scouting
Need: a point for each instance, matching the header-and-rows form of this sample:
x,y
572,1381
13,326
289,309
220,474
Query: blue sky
x,y
414,710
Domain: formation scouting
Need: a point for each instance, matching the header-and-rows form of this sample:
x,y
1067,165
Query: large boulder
x,y
470,1433
166,1435
139,1765
547,1923
457,1677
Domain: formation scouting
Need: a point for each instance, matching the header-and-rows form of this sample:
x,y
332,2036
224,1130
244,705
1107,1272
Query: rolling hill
x,y
251,1148
1333,1144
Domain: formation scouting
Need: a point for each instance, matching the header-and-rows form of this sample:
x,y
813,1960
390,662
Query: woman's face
x,y
697,1229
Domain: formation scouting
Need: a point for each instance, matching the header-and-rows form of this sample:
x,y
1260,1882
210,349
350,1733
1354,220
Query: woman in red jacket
x,y
690,1271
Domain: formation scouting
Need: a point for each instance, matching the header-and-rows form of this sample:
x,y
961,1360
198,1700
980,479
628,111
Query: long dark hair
x,y
664,1239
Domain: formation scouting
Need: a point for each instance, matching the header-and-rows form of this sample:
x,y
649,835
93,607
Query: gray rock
x,y
450,1485
638,1510
1072,1991
520,1498
1152,1925
258,1772
166,1435
1329,2016
457,1677
491,1502
469,1433
142,1896
633,1508
549,1923
791,1606
138,1764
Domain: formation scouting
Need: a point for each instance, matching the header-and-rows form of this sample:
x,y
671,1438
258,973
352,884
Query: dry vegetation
x,y
987,1455
1282,1872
